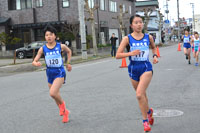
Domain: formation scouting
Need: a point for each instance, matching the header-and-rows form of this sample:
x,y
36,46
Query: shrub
x,y
6,39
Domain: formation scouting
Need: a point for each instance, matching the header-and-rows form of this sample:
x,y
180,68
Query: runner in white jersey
x,y
196,42
193,52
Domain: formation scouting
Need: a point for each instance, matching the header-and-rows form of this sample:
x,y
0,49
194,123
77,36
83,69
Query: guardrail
x,y
15,56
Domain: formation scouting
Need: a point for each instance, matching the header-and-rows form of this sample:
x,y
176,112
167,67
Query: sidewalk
x,y
23,65
7,66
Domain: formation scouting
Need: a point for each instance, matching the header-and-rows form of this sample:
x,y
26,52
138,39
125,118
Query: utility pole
x,y
82,28
167,23
167,10
98,3
178,21
193,16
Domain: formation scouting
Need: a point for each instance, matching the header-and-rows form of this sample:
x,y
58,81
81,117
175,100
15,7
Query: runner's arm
x,y
182,37
120,52
69,54
153,46
37,58
68,51
192,40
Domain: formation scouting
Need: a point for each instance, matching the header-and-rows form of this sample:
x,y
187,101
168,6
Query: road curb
x,y
27,67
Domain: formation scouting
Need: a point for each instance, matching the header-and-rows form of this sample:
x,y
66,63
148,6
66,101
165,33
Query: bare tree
x,y
92,21
121,18
160,23
147,14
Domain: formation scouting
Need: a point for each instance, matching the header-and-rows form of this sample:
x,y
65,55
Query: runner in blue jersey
x,y
140,69
196,42
55,69
187,46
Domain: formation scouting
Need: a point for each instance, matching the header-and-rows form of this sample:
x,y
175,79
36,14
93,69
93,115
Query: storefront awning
x,y
38,25
4,21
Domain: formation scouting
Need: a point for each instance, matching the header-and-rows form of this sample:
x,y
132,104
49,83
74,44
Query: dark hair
x,y
50,29
196,33
134,16
186,30
113,33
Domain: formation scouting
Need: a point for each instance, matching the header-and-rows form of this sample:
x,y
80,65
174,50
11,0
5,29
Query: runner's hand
x,y
69,67
37,64
135,52
155,60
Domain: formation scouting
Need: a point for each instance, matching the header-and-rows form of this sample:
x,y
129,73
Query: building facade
x,y
26,19
197,23
154,24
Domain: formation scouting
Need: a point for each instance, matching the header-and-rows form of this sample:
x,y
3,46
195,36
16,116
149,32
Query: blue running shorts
x,y
53,73
187,45
137,68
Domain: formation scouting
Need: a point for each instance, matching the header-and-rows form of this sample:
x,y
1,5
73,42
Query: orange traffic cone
x,y
158,53
123,63
179,47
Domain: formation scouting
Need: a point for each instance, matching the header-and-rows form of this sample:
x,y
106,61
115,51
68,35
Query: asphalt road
x,y
101,99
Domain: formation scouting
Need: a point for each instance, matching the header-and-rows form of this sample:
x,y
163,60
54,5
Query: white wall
x,y
153,23
7,53
197,23
2,29
158,36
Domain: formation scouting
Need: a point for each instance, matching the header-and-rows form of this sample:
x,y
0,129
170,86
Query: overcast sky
x,y
184,5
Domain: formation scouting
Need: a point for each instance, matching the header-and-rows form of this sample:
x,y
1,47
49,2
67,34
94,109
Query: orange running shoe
x,y
147,128
65,116
62,108
150,117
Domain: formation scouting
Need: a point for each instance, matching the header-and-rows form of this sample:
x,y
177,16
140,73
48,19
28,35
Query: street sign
x,y
166,21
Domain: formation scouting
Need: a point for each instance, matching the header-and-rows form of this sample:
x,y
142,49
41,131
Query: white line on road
x,y
15,65
74,66
95,63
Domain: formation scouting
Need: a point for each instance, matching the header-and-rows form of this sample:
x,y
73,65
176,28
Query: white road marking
x,y
90,64
14,65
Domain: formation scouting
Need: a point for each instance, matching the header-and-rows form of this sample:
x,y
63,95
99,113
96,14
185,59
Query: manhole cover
x,y
167,113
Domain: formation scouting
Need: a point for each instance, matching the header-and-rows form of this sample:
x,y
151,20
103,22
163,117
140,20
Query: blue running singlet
x,y
54,63
142,45
139,63
186,41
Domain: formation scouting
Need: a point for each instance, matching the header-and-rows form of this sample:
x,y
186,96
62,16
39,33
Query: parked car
x,y
28,50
